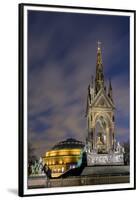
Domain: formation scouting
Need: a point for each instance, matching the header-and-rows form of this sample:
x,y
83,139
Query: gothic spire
x,y
99,58
110,91
99,80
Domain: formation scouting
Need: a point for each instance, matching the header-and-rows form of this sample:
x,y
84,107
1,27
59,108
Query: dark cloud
x,y
61,60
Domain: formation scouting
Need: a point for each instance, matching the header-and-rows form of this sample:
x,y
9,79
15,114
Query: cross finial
x,y
99,44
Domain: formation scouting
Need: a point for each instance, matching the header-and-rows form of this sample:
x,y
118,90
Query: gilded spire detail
x,y
99,80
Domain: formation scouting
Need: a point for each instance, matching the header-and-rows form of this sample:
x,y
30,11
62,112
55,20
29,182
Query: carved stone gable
x,y
102,101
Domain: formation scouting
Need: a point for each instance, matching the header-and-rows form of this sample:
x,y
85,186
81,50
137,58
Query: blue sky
x,y
61,60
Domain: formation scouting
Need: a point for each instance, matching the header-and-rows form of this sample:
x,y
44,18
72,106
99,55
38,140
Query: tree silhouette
x,y
31,154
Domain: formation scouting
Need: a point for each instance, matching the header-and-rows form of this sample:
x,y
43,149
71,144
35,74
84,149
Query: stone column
x,y
89,128
108,138
94,138
113,138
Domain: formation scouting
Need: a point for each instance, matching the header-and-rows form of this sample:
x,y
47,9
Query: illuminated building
x,y
64,156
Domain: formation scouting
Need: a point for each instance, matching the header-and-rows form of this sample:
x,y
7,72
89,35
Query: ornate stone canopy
x,y
100,111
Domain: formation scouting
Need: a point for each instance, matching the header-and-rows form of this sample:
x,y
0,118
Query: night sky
x,y
61,59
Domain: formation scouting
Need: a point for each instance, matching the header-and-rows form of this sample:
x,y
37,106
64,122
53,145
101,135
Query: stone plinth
x,y
105,159
88,178
106,171
37,182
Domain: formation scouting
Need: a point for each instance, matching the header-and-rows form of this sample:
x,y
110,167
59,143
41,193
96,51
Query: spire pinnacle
x,y
99,57
110,84
110,90
99,80
99,45
92,81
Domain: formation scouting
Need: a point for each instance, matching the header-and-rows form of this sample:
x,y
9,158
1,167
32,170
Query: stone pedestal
x,y
105,159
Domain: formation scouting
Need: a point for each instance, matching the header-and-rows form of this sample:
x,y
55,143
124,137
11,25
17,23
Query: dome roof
x,y
69,143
